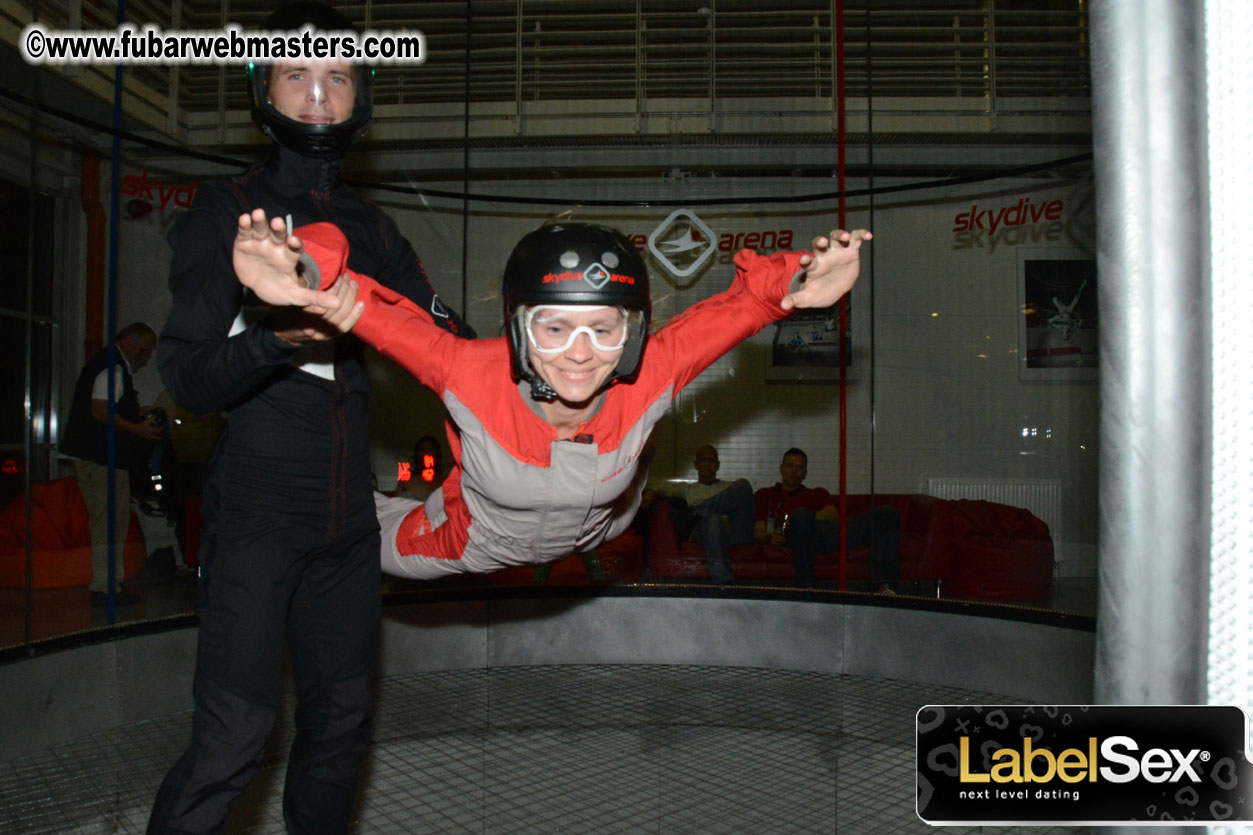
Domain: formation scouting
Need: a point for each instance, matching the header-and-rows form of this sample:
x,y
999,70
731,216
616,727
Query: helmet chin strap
x,y
540,390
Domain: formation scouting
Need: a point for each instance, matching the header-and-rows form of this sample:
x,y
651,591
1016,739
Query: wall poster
x,y
1057,314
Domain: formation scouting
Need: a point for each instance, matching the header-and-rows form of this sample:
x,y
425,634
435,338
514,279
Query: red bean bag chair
x,y
61,556
999,551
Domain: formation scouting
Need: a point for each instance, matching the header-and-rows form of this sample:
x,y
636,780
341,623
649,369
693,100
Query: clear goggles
x,y
550,332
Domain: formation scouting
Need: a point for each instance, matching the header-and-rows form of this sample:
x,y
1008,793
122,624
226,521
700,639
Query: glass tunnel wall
x,y
970,386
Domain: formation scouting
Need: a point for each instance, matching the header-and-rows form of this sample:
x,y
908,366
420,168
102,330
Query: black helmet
x,y
576,263
315,140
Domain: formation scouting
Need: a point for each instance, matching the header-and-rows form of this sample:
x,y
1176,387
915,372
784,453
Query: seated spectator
x,y
806,520
712,513
426,471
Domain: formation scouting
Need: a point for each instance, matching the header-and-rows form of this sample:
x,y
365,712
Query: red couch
x,y
974,549
61,553
926,550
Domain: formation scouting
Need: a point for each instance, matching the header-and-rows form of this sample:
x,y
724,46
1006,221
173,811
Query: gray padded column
x,y
1148,132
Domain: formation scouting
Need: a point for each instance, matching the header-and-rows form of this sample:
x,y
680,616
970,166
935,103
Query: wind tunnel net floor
x,y
590,748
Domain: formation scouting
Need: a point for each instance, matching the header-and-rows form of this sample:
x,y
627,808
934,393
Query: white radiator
x,y
1043,497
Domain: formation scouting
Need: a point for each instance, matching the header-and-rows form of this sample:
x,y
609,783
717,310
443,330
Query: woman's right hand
x,y
345,315
316,323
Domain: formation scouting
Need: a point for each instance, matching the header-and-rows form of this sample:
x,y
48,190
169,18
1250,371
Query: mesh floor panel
x,y
591,749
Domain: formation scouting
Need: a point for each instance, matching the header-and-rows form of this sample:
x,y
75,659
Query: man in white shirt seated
x,y
714,514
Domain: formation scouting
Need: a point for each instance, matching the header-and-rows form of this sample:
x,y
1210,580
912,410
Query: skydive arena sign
x,y
1083,765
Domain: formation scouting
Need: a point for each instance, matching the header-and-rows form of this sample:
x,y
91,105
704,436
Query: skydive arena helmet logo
x,y
682,243
596,276
1083,765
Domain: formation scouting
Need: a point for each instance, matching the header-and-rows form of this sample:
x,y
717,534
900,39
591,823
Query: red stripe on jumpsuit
x,y
415,538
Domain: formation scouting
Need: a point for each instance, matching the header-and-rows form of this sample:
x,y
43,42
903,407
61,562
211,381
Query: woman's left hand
x,y
830,270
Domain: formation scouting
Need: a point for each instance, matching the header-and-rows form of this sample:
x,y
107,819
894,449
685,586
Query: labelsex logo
x,y
1073,765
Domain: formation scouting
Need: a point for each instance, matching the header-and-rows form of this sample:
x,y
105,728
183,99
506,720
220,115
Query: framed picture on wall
x,y
806,346
1058,320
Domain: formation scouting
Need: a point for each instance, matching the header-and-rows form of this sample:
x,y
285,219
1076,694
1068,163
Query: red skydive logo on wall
x,y
157,192
1020,214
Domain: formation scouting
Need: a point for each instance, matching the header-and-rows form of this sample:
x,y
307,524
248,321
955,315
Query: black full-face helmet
x,y
575,264
315,140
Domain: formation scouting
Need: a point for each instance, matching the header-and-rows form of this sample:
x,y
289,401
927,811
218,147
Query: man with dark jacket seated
x,y
806,520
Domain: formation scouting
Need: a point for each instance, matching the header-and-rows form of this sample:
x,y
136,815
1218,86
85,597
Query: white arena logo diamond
x,y
682,243
596,275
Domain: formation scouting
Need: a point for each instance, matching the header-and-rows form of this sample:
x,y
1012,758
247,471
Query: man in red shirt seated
x,y
806,520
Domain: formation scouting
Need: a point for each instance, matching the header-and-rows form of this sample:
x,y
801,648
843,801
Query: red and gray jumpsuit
x,y
516,494
290,545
